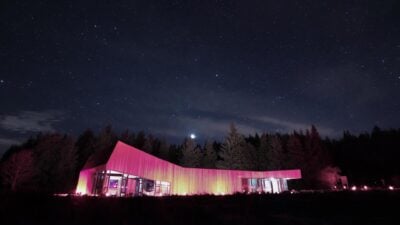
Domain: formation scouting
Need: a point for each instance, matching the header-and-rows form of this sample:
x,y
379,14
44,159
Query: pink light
x,y
365,187
344,187
184,181
391,188
354,188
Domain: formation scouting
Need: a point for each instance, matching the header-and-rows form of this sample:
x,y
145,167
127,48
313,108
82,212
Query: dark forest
x,y
50,162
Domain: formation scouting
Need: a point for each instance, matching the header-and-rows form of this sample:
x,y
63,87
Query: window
x,y
113,183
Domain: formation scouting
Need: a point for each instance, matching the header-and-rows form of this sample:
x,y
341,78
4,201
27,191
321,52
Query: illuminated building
x,y
129,171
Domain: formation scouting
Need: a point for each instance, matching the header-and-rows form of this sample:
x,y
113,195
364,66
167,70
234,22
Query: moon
x,y
192,136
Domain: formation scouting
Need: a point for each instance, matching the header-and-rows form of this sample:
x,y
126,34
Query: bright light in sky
x,y
192,136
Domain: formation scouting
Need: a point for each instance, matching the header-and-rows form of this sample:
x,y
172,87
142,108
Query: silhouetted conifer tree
x,y
85,147
295,153
275,155
140,140
55,157
210,155
191,154
262,159
234,151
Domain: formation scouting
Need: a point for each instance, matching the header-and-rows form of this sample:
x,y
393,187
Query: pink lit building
x,y
129,171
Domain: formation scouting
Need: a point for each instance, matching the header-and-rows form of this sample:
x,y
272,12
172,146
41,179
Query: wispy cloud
x,y
204,126
248,125
31,121
289,126
216,128
175,133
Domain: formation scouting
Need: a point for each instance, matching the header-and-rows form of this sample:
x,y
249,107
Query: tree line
x,y
51,162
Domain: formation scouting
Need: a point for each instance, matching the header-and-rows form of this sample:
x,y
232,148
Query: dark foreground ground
x,y
313,208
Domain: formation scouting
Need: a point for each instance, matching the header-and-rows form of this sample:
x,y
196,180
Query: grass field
x,y
307,208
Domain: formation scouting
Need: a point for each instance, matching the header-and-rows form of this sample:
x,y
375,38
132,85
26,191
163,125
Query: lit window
x,y
113,183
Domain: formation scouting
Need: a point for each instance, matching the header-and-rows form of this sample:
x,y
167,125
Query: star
x,y
192,136
1,81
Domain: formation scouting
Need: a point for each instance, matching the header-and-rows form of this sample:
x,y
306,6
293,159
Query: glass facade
x,y
266,185
111,183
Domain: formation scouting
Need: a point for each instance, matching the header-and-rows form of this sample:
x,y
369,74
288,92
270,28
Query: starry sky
x,y
173,67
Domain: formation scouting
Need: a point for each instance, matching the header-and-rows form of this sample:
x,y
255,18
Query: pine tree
x,y
155,148
191,154
55,158
262,159
85,147
106,140
175,154
148,143
275,154
124,137
317,157
235,152
295,153
140,140
66,166
210,155
163,150
128,138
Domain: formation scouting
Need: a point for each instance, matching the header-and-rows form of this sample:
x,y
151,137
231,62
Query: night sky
x,y
173,68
